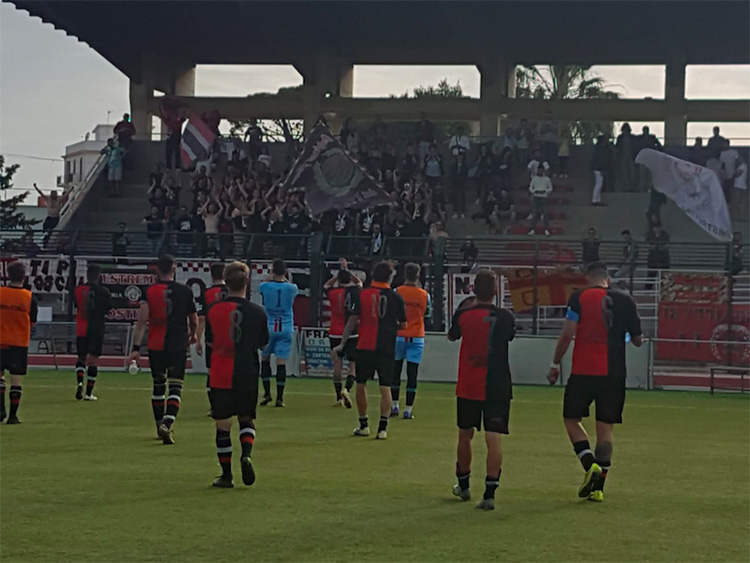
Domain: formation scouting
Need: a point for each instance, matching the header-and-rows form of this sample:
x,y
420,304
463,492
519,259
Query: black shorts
x,y
350,349
237,401
369,362
495,414
89,345
15,359
169,364
207,350
607,391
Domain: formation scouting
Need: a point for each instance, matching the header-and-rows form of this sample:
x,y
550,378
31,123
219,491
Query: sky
x,y
54,89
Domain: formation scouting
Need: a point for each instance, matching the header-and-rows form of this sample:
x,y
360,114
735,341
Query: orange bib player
x,y
410,340
18,310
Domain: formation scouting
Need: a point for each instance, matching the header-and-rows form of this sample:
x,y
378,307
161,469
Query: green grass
x,y
88,482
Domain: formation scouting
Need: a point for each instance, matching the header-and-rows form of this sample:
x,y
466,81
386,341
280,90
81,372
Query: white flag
x,y
695,189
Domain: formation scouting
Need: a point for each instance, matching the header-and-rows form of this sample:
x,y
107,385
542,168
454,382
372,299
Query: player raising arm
x,y
18,310
93,302
378,314
483,389
236,330
169,312
341,290
600,319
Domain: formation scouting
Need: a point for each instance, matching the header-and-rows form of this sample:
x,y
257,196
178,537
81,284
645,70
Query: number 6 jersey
x,y
236,330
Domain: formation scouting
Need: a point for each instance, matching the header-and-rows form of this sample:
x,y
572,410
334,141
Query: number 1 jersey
x,y
278,301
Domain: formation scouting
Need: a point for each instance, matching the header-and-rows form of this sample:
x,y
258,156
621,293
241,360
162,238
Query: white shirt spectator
x,y
740,180
534,164
459,144
714,165
540,186
729,161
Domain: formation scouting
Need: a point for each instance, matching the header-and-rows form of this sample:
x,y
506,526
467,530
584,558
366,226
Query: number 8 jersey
x,y
278,301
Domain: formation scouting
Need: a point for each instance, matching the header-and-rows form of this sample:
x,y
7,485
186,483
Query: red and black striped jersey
x,y
380,311
93,302
213,294
169,305
236,329
341,299
483,366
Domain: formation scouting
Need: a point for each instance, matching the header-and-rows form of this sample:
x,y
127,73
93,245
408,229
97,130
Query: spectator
x,y
120,240
156,177
377,240
629,256
425,136
185,226
459,143
113,155
366,220
625,149
172,195
173,116
410,164
590,247
433,166
729,159
734,263
483,168
157,198
505,168
535,163
211,214
658,250
503,216
53,204
648,141
601,161
550,131
563,154
655,202
698,153
523,143
459,174
469,252
254,138
539,188
155,227
125,131
715,144
388,160
437,233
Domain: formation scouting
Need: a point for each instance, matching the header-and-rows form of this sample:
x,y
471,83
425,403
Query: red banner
x,y
688,321
554,288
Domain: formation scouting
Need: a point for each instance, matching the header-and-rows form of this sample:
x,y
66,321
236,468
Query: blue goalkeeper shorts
x,y
409,348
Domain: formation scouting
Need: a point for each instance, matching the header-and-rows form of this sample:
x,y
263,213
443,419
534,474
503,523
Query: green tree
x,y
444,89
567,82
10,217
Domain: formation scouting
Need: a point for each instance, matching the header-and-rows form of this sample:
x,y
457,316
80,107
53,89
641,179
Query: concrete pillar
x,y
675,120
498,81
325,76
184,81
140,94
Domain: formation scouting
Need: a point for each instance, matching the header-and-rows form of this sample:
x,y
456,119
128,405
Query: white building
x,y
81,157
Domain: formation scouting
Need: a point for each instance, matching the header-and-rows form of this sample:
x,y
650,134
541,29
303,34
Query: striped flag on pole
x,y
197,138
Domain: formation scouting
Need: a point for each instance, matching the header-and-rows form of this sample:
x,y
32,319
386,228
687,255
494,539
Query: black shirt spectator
x,y
295,222
120,241
184,225
125,130
658,252
470,252
734,255
698,153
715,144
590,246
155,224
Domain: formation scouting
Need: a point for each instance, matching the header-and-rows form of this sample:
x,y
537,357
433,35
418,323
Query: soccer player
x,y
93,302
410,340
169,312
600,319
341,290
278,297
18,310
236,330
483,390
378,314
217,292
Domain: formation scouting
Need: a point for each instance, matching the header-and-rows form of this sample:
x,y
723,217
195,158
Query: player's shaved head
x,y
279,267
217,271
165,264
382,272
236,276
93,272
344,277
17,272
597,273
411,272
485,285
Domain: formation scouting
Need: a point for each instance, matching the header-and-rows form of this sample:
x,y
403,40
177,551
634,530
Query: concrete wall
x,y
530,358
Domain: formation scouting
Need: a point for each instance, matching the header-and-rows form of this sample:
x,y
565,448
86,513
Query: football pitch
x,y
89,482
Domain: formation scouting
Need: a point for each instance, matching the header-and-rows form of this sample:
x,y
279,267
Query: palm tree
x,y
566,82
